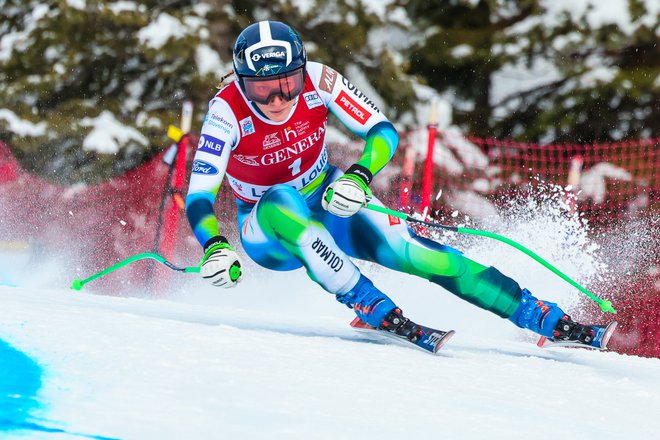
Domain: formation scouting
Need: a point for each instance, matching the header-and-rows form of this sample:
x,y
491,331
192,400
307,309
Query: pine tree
x,y
67,64
586,77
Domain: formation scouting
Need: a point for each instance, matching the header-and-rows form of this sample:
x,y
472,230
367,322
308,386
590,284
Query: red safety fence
x,y
610,181
89,228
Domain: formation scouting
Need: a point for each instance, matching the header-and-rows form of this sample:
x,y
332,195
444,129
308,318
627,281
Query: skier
x,y
265,132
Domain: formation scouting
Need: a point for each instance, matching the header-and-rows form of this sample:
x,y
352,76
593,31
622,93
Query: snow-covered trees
x,y
72,66
537,70
544,70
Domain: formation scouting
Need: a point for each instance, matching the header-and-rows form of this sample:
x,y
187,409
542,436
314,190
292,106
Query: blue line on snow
x,y
20,380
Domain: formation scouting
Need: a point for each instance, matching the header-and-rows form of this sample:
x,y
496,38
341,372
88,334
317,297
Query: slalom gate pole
x,y
78,284
605,305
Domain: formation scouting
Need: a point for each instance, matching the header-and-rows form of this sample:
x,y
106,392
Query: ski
x,y
431,341
603,335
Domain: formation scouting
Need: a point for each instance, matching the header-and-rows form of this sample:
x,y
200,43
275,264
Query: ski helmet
x,y
266,51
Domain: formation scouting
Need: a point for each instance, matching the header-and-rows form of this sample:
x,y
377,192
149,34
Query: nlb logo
x,y
203,167
209,144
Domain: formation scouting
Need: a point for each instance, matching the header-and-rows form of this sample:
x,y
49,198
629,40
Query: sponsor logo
x,y
290,133
209,144
271,141
222,121
247,126
432,339
238,185
359,95
301,127
328,78
254,192
327,255
295,149
312,100
247,160
202,167
219,122
394,220
355,110
280,54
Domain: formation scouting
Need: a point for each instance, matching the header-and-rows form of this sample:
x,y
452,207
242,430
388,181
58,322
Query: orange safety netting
x,y
610,181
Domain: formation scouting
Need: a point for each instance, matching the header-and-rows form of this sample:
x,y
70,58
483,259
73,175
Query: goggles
x,y
261,89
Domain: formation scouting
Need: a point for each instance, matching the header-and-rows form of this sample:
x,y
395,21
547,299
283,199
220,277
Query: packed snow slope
x,y
275,358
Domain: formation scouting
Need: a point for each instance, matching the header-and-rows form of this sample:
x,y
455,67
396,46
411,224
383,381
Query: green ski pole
x,y
605,305
78,284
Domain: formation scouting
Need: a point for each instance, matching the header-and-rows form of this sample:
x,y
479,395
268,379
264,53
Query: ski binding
x,y
431,341
603,335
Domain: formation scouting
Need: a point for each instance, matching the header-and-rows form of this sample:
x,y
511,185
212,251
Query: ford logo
x,y
202,167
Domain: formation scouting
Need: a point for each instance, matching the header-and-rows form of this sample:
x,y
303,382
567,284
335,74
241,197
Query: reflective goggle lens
x,y
263,89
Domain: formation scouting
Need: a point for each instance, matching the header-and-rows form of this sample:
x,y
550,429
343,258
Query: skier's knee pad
x,y
283,211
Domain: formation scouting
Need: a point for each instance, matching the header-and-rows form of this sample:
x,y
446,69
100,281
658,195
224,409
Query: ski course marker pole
x,y
605,305
78,284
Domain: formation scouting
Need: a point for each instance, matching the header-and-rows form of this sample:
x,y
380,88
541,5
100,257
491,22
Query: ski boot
x,y
370,304
536,315
570,333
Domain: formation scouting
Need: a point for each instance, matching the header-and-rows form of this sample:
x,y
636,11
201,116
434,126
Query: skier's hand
x,y
346,195
220,265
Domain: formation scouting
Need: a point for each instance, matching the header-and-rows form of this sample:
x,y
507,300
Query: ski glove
x,y
346,195
220,265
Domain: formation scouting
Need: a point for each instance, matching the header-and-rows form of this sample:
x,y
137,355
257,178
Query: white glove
x,y
346,195
221,265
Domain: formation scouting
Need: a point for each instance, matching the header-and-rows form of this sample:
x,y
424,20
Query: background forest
x,y
532,70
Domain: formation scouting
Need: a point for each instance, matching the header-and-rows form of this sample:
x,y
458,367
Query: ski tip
x,y
444,340
609,331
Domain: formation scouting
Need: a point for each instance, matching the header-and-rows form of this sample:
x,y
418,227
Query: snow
x,y
275,357
156,34
22,127
77,4
279,363
208,61
108,135
462,51
124,6
593,183
19,41
597,75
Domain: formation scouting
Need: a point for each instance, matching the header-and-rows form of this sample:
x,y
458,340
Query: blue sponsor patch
x,y
202,167
209,144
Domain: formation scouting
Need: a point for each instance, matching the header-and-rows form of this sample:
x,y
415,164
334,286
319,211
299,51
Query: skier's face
x,y
277,109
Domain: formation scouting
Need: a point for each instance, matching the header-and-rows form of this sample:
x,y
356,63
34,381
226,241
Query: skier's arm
x,y
221,265
360,115
217,138
380,145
